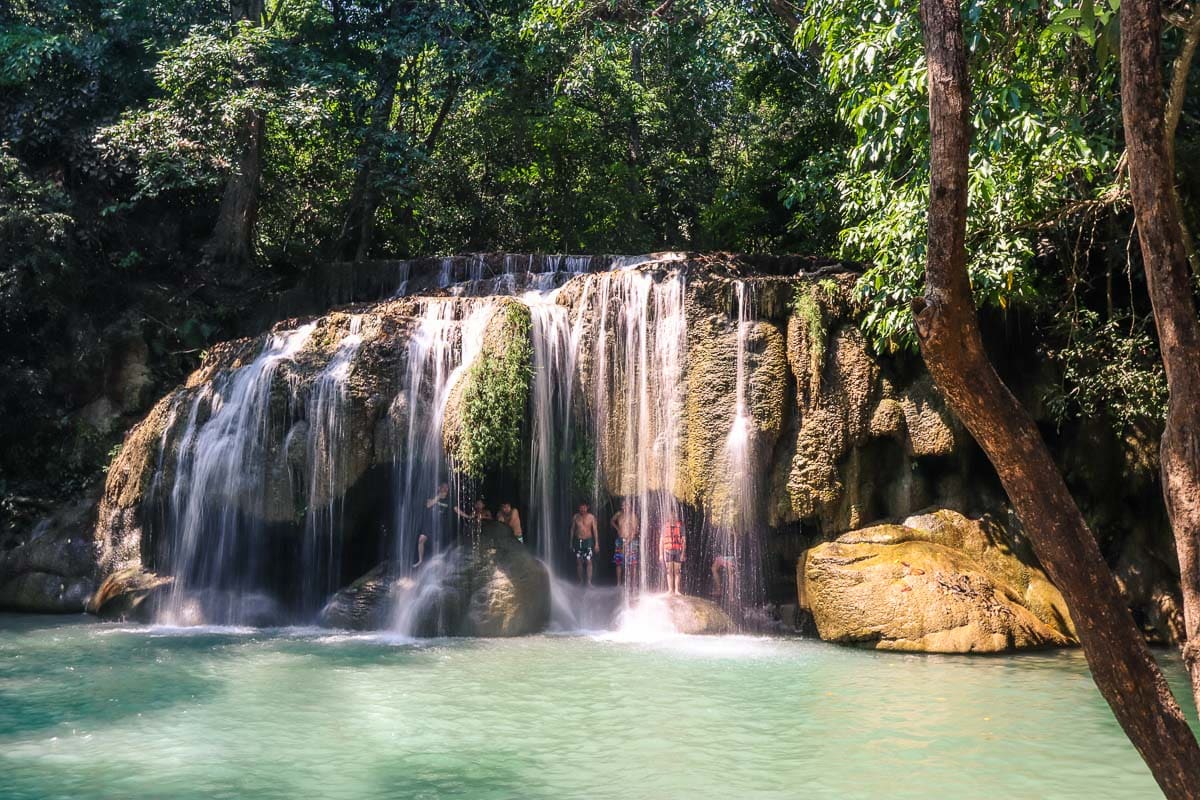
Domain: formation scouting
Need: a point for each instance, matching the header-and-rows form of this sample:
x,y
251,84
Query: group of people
x,y
438,509
585,539
627,546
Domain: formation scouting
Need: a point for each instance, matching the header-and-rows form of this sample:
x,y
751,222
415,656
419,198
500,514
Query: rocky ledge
x,y
489,586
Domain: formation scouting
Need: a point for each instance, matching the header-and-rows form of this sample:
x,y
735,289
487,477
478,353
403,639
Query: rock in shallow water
x,y
127,595
938,582
491,586
697,616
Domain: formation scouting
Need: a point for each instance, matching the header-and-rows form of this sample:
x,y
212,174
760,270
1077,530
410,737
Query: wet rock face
x,y
937,582
835,435
50,567
490,586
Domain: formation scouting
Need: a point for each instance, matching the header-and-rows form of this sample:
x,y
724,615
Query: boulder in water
x,y
697,616
127,595
937,582
490,586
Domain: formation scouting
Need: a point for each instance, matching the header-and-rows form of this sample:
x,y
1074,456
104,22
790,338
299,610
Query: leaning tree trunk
x,y
1121,664
1164,257
231,244
232,241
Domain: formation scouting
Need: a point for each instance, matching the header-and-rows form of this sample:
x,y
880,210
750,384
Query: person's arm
x,y
431,502
516,523
461,513
683,549
613,522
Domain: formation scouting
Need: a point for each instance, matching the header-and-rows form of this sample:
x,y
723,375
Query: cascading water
x,y
637,393
329,426
215,552
446,340
605,420
735,551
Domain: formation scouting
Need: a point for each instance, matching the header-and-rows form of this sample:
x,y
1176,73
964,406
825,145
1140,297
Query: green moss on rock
x,y
485,413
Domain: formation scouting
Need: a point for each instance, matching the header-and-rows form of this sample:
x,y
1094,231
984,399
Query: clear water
x,y
102,711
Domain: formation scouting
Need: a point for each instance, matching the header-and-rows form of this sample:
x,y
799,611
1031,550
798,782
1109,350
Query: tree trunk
x,y
231,244
1164,258
1121,663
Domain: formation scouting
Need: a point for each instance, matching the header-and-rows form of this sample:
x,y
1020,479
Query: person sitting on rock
x,y
626,544
478,513
437,518
509,516
672,546
583,540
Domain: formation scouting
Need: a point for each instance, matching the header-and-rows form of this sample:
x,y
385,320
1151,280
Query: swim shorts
x,y
619,551
673,557
583,548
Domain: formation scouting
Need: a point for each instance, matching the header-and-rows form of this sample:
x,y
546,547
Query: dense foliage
x,y
495,395
163,164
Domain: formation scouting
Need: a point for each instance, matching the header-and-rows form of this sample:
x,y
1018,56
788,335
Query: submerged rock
x,y
490,586
937,582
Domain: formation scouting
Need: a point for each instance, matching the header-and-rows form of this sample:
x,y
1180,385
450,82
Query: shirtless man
x,y
626,547
509,516
584,541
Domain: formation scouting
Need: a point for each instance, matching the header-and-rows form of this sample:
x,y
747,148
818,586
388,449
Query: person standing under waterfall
x,y
509,516
672,546
626,545
584,541
437,518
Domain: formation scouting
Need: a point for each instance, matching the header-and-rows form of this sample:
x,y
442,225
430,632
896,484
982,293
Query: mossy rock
x,y
485,411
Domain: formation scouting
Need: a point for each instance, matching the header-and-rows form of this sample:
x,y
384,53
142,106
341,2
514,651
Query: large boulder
x,y
936,582
489,586
49,566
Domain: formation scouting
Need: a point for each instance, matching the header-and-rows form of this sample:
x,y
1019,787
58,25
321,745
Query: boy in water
x,y
437,511
625,548
672,546
509,516
583,540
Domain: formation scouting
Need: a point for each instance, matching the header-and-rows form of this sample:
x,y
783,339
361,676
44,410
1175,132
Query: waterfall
x,y
550,463
734,540
606,424
447,338
636,400
329,425
222,465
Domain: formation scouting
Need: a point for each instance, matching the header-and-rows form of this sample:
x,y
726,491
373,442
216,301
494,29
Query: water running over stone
x,y
643,395
214,545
